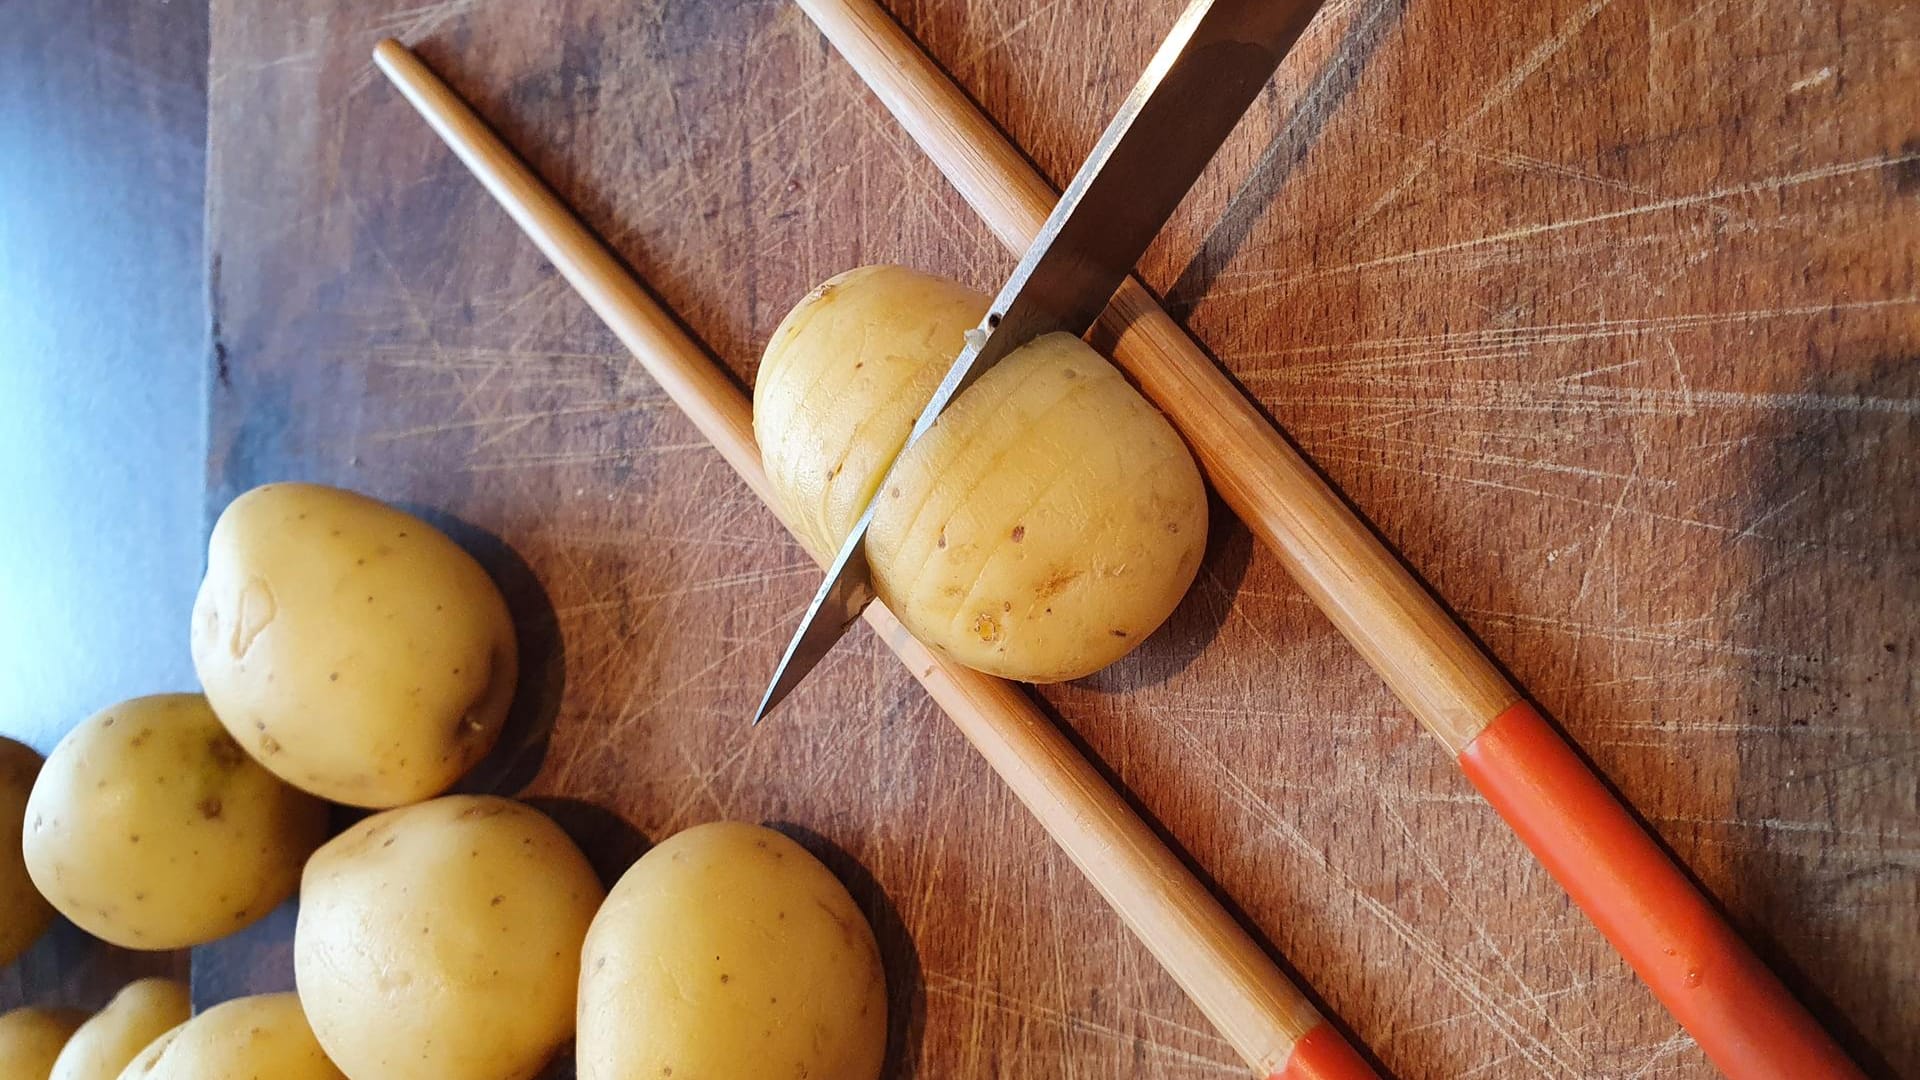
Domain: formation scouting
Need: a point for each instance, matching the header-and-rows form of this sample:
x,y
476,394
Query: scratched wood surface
x,y
1604,311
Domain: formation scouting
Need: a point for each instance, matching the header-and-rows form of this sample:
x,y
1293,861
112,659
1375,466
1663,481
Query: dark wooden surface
x,y
102,389
1605,313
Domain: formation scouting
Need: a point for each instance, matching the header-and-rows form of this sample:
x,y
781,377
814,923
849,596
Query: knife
x,y
1195,89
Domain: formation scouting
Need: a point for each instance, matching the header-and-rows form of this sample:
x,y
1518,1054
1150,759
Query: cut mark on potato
x,y
253,611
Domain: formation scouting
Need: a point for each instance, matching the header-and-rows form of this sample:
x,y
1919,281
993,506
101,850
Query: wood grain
x,y
1604,313
1219,966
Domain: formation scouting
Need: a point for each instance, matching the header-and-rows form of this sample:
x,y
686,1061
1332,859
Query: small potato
x,y
31,1038
249,1038
1048,523
442,941
150,828
24,913
729,951
841,382
352,648
140,1013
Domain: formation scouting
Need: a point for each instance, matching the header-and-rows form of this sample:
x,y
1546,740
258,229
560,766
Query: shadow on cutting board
x,y
906,991
1827,637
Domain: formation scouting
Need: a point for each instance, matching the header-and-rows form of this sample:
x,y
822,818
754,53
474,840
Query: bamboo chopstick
x,y
1673,937
1262,1015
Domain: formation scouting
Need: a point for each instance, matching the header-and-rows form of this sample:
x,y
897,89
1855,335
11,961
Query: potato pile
x,y
1047,523
140,1013
248,1038
351,653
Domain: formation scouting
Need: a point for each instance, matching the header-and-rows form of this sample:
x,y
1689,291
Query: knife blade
x,y
1199,83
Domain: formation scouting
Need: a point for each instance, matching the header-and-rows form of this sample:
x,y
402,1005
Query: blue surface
x,y
103,346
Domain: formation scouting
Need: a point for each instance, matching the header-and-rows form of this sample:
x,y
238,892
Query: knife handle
x,y
1741,1014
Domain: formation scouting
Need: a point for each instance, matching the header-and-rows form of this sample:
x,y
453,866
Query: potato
x,y
841,382
729,951
442,941
249,1038
31,1038
24,913
140,1013
151,829
1044,527
354,649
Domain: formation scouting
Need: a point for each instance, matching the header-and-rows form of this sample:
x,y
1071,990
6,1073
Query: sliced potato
x,y
150,828
1047,524
729,951
842,379
352,648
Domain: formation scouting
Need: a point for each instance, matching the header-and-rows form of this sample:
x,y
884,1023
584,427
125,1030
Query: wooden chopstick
x,y
1673,937
1264,1016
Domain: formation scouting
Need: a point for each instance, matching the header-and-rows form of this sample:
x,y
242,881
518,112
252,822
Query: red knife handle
x,y
1321,1054
1741,1015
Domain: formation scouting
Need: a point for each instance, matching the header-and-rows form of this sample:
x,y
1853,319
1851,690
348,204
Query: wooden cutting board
x,y
1605,313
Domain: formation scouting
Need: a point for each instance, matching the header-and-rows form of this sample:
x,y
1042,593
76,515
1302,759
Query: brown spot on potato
x,y
1118,633
941,541
1056,583
225,752
211,808
1019,533
497,901
269,744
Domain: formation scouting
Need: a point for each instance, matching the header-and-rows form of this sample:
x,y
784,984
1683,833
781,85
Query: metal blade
x,y
1216,60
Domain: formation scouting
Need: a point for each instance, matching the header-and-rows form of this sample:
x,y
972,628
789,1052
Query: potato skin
x,y
24,913
249,1038
31,1038
730,951
140,1013
842,379
150,828
352,648
442,941
1044,527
